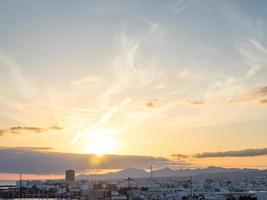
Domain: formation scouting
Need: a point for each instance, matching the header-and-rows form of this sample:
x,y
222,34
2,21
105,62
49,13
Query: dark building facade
x,y
69,175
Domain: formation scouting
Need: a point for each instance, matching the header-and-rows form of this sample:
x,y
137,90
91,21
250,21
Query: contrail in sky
x,y
104,119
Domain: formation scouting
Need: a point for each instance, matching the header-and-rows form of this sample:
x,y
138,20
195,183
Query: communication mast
x,y
191,188
20,185
151,172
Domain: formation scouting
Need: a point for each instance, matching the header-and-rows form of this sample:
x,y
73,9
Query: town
x,y
153,188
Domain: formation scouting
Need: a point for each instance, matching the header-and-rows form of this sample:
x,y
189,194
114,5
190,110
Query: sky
x,y
179,83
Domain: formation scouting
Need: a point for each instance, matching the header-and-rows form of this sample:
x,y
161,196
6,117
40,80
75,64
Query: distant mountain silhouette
x,y
209,172
122,174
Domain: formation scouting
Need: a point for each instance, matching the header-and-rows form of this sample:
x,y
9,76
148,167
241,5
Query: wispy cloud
x,y
128,71
259,46
240,153
181,5
252,95
234,87
160,86
253,55
13,78
88,80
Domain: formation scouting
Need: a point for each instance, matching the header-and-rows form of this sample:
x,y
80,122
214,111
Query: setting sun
x,y
100,142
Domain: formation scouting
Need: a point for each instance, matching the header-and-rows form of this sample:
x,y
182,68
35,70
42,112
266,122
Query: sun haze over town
x,y
104,86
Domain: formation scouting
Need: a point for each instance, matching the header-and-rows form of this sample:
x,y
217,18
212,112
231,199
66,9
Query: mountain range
x,y
209,172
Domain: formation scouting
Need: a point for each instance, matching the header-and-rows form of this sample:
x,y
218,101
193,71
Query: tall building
x,y
69,175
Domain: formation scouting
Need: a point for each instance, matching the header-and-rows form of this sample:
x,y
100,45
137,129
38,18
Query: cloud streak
x,y
20,129
240,153
194,102
28,148
179,156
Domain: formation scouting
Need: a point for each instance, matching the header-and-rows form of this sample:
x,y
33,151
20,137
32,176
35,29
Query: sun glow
x,y
101,142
